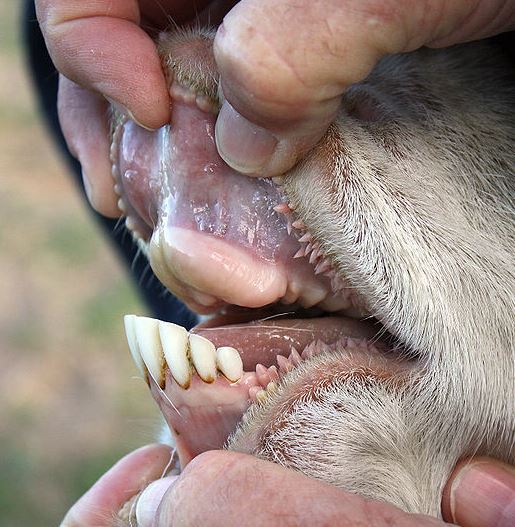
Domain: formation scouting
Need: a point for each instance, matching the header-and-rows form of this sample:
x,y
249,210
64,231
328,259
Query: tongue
x,y
215,237
262,340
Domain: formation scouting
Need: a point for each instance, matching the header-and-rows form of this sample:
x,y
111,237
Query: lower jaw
x,y
204,412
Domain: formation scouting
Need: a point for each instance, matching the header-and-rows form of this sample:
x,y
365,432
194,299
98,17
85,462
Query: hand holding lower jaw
x,y
481,493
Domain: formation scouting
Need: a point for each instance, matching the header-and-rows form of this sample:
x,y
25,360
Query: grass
x,y
100,314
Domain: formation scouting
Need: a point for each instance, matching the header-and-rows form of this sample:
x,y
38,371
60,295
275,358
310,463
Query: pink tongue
x,y
216,236
262,340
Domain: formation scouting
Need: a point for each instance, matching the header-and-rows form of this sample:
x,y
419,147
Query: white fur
x,y
424,230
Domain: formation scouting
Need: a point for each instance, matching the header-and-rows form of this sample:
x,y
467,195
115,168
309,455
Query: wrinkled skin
x,y
409,200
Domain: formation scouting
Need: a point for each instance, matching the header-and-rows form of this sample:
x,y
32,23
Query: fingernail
x,y
149,500
244,146
126,112
483,495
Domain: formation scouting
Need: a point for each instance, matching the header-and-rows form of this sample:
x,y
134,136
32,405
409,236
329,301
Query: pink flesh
x,y
215,232
203,416
262,341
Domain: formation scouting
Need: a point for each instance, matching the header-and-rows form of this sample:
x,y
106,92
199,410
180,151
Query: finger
x,y
83,118
99,506
216,486
481,493
100,46
284,65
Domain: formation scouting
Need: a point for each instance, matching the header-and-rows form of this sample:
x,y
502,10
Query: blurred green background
x,y
70,401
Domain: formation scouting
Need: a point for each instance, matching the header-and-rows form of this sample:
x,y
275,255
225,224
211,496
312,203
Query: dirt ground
x,y
70,401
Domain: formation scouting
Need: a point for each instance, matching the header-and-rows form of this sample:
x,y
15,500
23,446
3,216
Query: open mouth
x,y
218,239
204,381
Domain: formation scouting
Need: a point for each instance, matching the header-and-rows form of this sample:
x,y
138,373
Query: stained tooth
x,y
149,343
317,249
323,347
273,374
313,257
174,340
323,266
342,342
351,343
284,364
309,351
130,332
253,390
229,363
203,356
262,375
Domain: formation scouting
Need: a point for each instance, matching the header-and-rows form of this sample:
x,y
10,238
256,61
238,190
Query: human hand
x,y
103,54
284,65
221,488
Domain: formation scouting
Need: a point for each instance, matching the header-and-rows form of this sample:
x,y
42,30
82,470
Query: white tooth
x,y
229,363
174,340
130,333
203,356
147,335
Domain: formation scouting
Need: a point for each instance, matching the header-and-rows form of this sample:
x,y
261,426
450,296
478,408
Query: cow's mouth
x,y
218,239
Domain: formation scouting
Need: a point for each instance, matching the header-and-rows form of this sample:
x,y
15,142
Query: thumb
x,y
481,493
285,63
